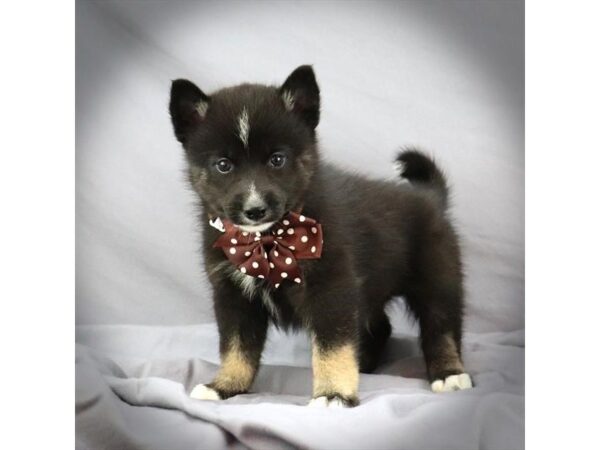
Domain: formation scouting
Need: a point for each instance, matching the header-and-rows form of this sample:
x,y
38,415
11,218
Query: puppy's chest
x,y
276,301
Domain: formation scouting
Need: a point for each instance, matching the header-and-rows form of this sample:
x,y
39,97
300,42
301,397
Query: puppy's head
x,y
251,149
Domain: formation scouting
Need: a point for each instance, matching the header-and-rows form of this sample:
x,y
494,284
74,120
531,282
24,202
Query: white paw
x,y
452,383
201,392
323,402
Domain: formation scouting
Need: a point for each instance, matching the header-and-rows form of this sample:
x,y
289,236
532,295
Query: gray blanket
x,y
138,399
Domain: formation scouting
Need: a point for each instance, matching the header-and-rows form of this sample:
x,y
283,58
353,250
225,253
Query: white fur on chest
x,y
252,289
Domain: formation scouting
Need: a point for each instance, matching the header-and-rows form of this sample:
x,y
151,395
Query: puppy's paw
x,y
334,402
456,382
202,392
324,402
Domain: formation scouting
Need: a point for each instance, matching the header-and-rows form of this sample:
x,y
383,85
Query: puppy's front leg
x,y
334,351
335,375
242,324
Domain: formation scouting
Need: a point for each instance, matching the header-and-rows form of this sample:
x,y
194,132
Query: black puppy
x,y
254,162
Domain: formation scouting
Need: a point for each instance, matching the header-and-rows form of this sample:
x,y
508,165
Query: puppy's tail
x,y
418,168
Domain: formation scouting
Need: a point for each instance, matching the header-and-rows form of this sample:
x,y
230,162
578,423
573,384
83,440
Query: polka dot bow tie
x,y
272,255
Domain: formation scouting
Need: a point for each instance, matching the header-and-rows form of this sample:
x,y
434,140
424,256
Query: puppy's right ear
x,y
188,107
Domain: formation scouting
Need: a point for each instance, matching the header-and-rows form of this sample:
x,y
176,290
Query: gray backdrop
x,y
447,76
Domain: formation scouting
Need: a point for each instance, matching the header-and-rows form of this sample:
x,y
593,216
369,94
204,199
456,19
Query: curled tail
x,y
418,168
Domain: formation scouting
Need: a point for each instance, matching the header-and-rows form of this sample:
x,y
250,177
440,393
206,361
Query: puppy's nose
x,y
255,213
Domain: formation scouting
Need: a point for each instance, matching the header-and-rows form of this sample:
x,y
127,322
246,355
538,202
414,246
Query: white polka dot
x,y
265,255
271,265
280,231
286,222
275,252
257,233
278,237
257,238
288,260
243,269
298,280
244,233
291,247
232,251
283,274
276,285
255,265
261,277
233,240
301,218
304,238
290,231
314,230
247,253
313,249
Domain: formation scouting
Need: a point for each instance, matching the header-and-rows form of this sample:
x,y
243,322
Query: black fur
x,y
422,171
381,239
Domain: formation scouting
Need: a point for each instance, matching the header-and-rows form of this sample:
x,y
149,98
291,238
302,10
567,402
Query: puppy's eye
x,y
224,165
277,160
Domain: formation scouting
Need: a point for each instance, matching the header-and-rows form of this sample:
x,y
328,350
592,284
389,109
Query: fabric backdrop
x,y
447,76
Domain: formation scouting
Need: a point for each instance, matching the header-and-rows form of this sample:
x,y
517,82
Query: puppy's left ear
x,y
300,94
188,108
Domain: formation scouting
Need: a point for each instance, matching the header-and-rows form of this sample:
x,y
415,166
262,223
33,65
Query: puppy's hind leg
x,y
374,334
444,363
436,299
440,320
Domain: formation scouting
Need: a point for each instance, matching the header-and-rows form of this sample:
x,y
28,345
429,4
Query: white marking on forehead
x,y
288,100
202,107
244,127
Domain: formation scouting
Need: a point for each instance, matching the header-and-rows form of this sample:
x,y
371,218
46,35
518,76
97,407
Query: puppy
x,y
296,242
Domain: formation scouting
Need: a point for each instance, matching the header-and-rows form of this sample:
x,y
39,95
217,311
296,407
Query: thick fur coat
x,y
253,156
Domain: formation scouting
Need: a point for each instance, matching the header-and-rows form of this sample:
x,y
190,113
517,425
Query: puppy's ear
x,y
300,94
188,107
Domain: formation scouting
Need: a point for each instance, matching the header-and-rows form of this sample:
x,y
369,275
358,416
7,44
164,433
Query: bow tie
x,y
272,255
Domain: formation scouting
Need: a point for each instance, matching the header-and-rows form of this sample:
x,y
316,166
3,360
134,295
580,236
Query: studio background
x,y
447,76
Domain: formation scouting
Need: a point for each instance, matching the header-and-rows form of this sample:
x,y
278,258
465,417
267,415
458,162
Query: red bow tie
x,y
273,254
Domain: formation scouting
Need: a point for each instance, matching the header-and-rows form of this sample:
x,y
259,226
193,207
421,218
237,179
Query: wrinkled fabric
x,y
397,410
